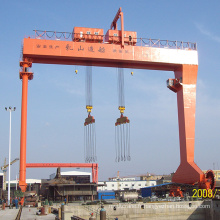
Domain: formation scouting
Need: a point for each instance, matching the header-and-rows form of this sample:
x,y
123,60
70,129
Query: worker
x,y
65,201
16,202
116,218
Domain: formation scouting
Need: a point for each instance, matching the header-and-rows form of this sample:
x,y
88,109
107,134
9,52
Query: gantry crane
x,y
120,48
4,169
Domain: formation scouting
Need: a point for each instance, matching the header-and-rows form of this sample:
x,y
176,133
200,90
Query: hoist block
x,y
89,108
89,120
122,109
122,120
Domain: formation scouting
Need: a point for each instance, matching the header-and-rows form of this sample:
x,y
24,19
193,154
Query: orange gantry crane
x,y
122,48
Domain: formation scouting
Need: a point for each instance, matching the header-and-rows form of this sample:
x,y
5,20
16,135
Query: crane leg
x,y
185,87
22,180
25,75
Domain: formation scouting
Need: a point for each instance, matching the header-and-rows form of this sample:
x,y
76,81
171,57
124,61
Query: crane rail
x,y
147,42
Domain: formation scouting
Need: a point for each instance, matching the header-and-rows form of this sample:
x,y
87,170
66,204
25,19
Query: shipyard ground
x,y
26,214
190,210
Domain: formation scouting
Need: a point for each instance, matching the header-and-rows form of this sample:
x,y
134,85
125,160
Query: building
x,y
216,172
126,184
32,185
72,185
165,179
156,177
1,180
1,185
74,175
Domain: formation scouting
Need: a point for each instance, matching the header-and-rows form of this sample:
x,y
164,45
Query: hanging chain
x,y
122,125
89,131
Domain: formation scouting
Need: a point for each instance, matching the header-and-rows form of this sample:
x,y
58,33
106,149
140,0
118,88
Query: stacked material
x,y
31,198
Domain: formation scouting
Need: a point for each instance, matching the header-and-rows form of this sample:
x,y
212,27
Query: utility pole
x,y
10,109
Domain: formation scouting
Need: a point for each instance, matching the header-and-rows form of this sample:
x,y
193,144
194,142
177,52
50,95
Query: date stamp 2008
x,y
204,193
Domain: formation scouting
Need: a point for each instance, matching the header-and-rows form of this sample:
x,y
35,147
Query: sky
x,y
56,95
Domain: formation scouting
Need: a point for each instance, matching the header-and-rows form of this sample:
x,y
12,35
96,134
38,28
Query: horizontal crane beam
x,y
94,167
42,165
106,55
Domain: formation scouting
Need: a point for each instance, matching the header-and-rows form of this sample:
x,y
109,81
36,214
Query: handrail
x,y
147,42
52,35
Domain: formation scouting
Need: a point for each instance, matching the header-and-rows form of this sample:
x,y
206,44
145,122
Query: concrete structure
x,y
26,214
8,214
201,210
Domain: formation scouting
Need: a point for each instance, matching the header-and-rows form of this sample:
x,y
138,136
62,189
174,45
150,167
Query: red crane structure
x,y
94,167
122,48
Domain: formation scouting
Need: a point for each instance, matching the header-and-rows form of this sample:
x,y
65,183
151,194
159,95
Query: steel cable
x,y
121,143
84,143
122,138
116,149
118,134
91,133
95,155
124,142
121,99
129,139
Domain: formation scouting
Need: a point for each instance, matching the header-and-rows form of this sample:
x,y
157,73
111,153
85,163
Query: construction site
x,y
187,192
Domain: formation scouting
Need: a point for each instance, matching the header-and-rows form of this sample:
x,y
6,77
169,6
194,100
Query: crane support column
x,y
25,75
186,101
184,85
95,173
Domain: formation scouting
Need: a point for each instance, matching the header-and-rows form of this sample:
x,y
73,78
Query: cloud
x,y
204,31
